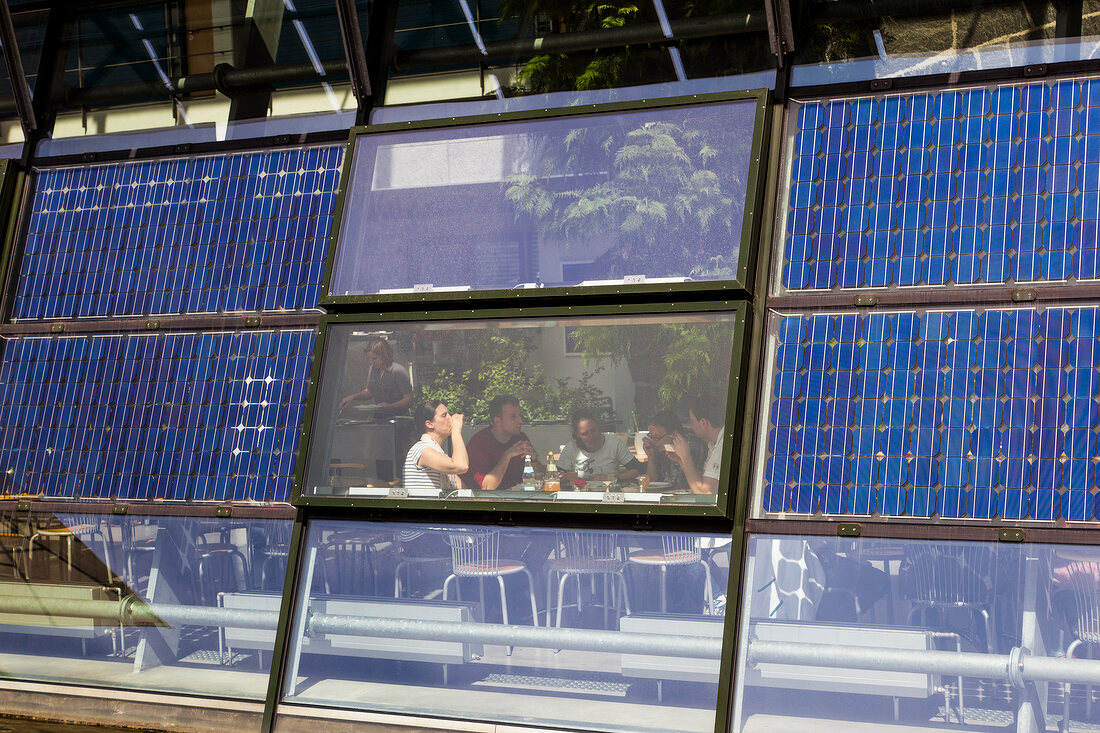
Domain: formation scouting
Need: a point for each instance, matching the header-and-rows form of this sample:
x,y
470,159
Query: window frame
x,y
728,498
740,284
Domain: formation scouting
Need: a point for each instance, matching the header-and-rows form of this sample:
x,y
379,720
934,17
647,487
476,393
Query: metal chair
x,y
1082,579
676,550
475,553
220,568
83,529
939,580
347,566
586,553
951,577
404,561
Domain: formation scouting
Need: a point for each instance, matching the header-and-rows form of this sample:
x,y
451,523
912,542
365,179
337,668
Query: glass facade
x,y
857,41
198,68
143,602
911,633
647,196
701,367
580,384
495,56
571,628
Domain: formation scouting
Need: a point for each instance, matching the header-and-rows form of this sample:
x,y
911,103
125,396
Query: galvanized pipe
x,y
968,664
620,642
131,611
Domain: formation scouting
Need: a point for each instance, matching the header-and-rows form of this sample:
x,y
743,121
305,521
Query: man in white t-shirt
x,y
708,421
596,455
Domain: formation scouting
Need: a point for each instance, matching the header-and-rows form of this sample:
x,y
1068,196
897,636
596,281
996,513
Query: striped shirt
x,y
421,477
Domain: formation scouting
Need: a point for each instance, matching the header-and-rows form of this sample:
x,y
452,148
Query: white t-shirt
x,y
712,467
421,477
611,456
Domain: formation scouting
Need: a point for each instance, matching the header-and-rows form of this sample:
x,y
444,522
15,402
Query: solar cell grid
x,y
975,413
965,188
204,417
193,235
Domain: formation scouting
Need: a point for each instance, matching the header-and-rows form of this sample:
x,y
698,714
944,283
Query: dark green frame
x,y
728,497
746,261
11,180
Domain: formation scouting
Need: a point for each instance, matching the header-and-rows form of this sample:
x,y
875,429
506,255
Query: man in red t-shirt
x,y
496,453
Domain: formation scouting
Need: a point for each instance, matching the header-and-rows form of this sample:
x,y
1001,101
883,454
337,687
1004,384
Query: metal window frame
x,y
740,284
727,498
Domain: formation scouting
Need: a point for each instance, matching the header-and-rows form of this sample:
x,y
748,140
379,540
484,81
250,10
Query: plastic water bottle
x,y
528,474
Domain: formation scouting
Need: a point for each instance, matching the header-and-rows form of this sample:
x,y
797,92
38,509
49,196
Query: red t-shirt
x,y
484,451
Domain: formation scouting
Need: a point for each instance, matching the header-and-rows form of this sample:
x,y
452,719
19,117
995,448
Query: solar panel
x,y
961,413
986,185
238,232
208,416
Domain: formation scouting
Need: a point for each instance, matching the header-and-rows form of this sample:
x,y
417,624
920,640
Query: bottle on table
x,y
528,474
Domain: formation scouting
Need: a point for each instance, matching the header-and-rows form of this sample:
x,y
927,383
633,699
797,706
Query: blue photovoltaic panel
x,y
199,416
978,414
965,187
241,232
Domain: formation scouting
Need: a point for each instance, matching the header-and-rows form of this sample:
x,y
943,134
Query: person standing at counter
x,y
707,414
595,455
497,452
388,385
427,465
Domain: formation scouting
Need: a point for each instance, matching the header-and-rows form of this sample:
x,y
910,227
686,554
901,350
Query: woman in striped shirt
x,y
427,466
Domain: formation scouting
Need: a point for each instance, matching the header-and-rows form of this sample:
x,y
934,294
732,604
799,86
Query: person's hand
x,y
680,448
456,423
651,446
348,400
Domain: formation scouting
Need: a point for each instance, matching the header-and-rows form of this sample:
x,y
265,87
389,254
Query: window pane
x,y
209,416
579,383
394,620
978,413
497,52
980,186
199,67
649,195
854,41
914,634
141,602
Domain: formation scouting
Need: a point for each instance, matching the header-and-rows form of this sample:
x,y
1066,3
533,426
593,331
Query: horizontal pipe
x,y
718,25
131,611
882,660
620,642
968,664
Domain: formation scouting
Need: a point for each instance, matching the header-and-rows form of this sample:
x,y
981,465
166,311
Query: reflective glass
x,y
842,41
496,51
651,195
209,416
590,390
204,234
967,187
875,634
198,67
977,413
29,26
582,629
142,602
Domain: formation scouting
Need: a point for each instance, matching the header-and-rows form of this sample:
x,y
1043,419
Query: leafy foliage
x,y
668,361
501,365
654,189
